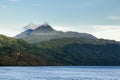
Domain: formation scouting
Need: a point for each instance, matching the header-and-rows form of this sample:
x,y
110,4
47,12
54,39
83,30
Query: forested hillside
x,y
63,51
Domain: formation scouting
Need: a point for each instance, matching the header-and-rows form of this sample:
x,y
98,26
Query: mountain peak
x,y
45,24
44,28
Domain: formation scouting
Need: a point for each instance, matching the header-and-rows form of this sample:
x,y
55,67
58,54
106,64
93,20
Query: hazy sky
x,y
98,17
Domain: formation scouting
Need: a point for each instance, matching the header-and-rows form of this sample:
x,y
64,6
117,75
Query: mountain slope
x,y
63,51
24,34
18,52
45,33
81,51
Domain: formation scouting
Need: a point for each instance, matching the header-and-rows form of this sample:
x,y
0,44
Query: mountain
x,y
63,51
24,34
45,33
44,46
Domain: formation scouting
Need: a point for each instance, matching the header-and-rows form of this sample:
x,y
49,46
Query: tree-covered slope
x,y
81,51
63,51
18,52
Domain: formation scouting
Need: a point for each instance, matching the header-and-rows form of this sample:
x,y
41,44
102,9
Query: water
x,y
60,73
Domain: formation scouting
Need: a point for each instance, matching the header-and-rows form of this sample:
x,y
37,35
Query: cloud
x,y
111,32
100,31
107,32
113,17
31,26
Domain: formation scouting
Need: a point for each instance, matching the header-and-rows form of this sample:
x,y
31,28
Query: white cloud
x,y
31,26
107,32
10,30
113,17
100,31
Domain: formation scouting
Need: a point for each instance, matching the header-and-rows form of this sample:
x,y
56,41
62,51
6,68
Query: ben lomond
x,y
45,32
47,46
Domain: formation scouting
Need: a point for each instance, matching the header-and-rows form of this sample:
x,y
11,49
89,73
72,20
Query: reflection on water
x,y
60,73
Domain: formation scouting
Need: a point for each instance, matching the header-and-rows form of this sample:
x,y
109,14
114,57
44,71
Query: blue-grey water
x,y
60,73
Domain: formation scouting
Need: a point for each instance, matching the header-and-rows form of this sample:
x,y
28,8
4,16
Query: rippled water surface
x,y
60,73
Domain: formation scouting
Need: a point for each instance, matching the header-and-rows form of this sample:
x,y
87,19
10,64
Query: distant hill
x,y
62,51
45,33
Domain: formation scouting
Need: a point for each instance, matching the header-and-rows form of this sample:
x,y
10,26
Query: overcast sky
x,y
98,17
